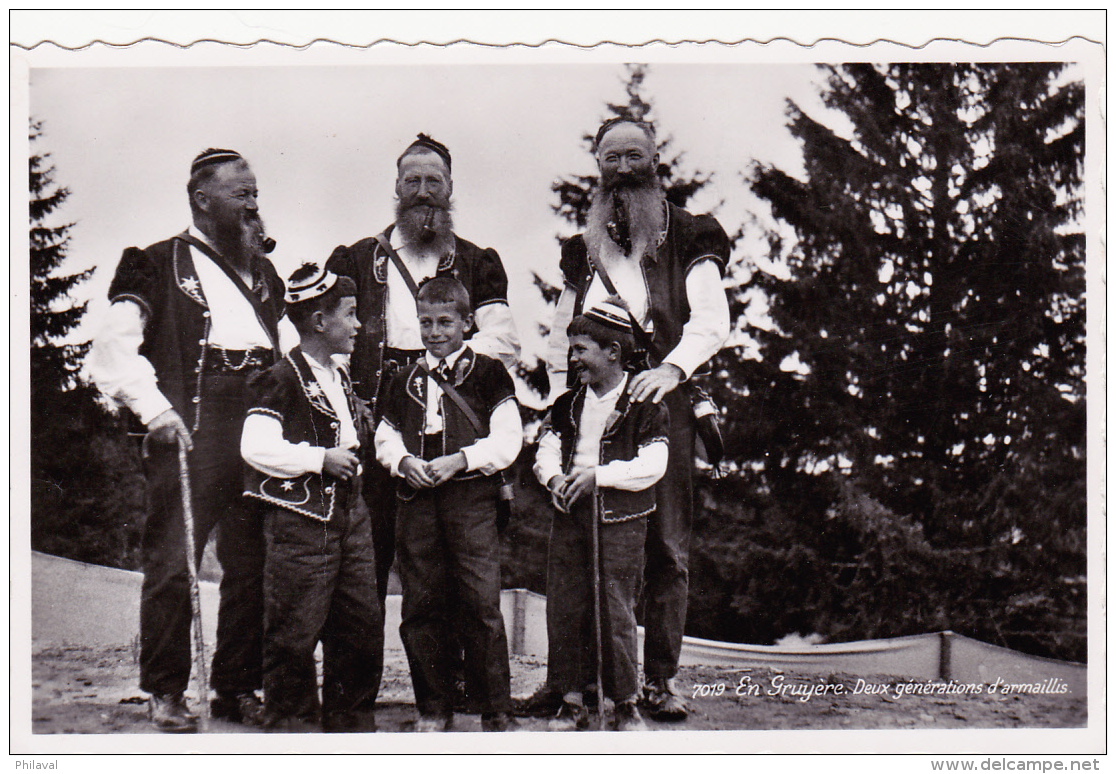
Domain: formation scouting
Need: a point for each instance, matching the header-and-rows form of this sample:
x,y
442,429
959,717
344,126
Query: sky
x,y
323,142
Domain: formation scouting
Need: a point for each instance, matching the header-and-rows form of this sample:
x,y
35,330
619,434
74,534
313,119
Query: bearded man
x,y
191,318
424,242
667,266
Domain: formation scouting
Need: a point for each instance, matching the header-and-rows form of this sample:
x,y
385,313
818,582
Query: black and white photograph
x,y
526,392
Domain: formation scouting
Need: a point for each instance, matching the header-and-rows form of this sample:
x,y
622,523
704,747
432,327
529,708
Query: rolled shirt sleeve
x,y
706,331
117,367
558,343
288,335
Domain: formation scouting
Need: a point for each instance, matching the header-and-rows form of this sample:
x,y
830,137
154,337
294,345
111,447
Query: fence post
x,y
945,668
518,644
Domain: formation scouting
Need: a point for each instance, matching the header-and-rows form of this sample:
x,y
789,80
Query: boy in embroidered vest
x,y
446,541
598,443
301,441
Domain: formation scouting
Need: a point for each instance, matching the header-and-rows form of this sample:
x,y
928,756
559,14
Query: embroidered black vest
x,y
479,270
289,393
163,281
480,380
630,427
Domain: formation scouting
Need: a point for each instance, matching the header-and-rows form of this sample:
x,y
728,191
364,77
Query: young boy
x,y
300,441
600,455
446,540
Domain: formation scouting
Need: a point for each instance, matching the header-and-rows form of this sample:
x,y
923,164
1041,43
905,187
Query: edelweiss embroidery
x,y
192,288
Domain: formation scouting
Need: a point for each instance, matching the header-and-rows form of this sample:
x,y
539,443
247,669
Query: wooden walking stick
x,y
596,540
195,594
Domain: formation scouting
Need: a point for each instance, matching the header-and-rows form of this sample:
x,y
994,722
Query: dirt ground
x,y
90,690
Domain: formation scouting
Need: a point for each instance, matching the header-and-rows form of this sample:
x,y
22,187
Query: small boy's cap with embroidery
x,y
309,281
212,156
611,315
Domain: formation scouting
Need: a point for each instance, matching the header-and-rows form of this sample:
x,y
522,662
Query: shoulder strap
x,y
381,239
270,326
643,339
453,395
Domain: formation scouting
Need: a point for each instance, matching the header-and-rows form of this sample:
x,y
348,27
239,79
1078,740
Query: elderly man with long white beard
x,y
666,264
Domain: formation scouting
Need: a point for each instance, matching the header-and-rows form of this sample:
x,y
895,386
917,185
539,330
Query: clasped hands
x,y
423,475
568,489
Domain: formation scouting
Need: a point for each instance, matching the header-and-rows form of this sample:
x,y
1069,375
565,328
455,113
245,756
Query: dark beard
x,y
426,227
628,212
240,240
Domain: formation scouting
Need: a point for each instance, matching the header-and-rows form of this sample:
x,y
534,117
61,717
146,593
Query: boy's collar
x,y
614,391
451,359
330,366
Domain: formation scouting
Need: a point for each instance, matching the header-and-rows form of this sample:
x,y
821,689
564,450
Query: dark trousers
x,y
379,495
217,485
448,553
666,574
319,585
569,603
379,486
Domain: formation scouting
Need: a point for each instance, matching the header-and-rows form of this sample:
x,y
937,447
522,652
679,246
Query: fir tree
x,y
85,479
53,366
917,417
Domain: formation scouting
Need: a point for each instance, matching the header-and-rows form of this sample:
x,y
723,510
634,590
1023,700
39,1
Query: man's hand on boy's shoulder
x,y
655,383
442,469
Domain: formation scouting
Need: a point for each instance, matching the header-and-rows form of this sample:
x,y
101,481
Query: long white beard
x,y
645,221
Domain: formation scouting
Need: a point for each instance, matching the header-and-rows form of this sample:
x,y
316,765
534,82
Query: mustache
x,y
413,202
630,181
